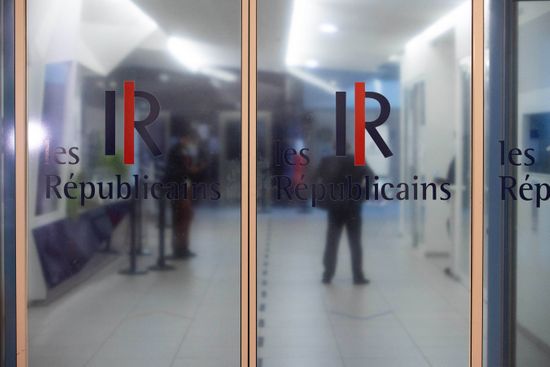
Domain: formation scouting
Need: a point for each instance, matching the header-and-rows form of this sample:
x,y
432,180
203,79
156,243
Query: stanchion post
x,y
132,254
161,264
140,251
108,249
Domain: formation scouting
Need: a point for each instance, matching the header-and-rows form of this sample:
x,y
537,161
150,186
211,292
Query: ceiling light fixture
x,y
441,26
187,53
297,33
190,55
37,135
328,28
313,80
312,63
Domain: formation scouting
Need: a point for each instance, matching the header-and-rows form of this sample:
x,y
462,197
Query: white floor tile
x,y
410,315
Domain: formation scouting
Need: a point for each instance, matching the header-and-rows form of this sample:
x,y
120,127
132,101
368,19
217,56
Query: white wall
x,y
434,63
66,31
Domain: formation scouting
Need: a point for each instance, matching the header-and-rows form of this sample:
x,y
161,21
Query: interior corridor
x,y
186,317
411,314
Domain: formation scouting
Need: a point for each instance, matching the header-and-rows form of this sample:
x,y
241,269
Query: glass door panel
x,y
363,183
134,189
532,329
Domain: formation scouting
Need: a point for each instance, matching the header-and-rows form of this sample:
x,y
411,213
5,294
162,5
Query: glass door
x,y
531,235
134,156
363,160
517,293
151,128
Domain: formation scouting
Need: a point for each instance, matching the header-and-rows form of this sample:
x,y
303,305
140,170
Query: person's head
x,y
188,137
184,131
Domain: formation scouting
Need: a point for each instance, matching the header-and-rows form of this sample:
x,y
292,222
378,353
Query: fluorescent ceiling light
x,y
134,12
191,56
220,74
36,135
187,53
328,28
308,20
297,32
313,80
441,26
312,63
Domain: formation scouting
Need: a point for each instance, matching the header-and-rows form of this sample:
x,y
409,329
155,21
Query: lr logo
x,y
130,94
360,124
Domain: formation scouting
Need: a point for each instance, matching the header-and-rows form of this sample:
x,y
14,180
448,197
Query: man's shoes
x,y
188,254
361,281
326,280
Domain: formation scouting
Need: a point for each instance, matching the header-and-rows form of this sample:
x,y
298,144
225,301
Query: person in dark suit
x,y
343,212
183,166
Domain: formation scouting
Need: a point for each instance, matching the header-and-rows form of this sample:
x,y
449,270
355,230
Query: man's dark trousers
x,y
338,218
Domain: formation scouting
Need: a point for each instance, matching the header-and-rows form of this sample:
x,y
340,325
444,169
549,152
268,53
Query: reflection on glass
x,y
4,87
134,183
363,264
533,123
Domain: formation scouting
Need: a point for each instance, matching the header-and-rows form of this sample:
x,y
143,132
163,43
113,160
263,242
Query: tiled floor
x,y
530,352
410,315
187,317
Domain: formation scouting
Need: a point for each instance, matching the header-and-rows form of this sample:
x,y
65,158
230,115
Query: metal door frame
x,y
501,246
8,257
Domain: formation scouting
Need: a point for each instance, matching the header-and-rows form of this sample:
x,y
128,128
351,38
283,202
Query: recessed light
x,y
328,28
37,134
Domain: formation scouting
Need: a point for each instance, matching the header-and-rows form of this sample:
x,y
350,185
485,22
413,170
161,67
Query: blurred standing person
x,y
343,211
183,166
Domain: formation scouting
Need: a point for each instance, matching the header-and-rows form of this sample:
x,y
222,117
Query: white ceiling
x,y
212,24
369,30
107,31
99,34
